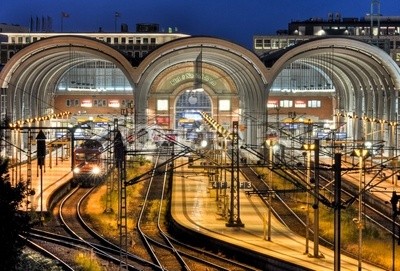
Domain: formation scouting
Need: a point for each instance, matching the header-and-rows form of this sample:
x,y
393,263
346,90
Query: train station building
x,y
344,84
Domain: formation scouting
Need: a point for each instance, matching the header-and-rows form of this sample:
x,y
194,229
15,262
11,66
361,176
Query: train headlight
x,y
96,170
77,170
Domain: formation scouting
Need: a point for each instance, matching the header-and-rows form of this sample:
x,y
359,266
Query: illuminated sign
x,y
162,120
191,76
300,104
86,103
113,103
272,104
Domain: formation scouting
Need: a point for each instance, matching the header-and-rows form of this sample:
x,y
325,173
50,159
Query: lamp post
x,y
308,148
270,143
361,154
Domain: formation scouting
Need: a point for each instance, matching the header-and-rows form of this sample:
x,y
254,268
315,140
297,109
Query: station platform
x,y
194,206
44,182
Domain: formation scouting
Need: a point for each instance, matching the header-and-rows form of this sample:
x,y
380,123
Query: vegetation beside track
x,y
107,222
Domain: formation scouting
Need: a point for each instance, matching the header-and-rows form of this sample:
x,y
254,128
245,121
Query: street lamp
x,y
270,143
361,154
308,148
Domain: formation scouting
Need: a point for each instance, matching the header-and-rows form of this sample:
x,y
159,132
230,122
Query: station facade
x,y
163,79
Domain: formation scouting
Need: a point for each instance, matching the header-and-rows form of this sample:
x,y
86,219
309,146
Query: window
x,y
314,103
397,57
267,44
258,44
99,103
68,103
275,44
286,103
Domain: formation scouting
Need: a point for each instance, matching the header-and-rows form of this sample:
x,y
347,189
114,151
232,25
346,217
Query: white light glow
x,y
224,105
162,105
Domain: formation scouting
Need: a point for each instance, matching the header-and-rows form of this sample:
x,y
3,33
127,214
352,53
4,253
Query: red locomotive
x,y
89,165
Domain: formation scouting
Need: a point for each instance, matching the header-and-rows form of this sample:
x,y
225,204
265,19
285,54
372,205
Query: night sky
x,y
233,20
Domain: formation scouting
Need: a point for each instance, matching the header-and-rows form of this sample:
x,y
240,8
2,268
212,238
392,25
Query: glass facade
x,y
190,103
96,76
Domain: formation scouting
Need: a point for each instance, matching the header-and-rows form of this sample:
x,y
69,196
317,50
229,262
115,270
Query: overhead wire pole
x,y
316,200
120,158
337,208
234,212
270,143
41,154
29,170
362,155
111,168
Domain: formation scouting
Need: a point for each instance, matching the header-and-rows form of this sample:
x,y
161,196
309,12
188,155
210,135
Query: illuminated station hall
x,y
313,105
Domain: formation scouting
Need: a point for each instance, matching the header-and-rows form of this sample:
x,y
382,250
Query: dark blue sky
x,y
234,20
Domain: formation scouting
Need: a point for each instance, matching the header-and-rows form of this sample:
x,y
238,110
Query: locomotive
x,y
89,163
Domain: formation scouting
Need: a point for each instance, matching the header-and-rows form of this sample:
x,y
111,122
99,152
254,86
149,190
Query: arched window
x,y
189,104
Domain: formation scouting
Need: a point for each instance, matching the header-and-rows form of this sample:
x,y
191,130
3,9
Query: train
x,y
89,167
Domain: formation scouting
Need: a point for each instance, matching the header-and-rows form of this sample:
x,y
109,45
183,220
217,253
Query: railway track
x,y
77,235
166,250
36,246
